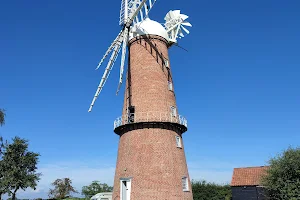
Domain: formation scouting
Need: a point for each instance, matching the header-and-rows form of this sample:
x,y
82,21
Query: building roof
x,y
248,176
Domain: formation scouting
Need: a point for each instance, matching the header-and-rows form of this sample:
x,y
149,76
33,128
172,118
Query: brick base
x,y
150,157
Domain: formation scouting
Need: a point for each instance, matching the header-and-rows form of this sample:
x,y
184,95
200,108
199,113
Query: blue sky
x,y
238,84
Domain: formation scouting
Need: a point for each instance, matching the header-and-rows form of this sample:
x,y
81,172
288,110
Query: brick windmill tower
x,y
151,162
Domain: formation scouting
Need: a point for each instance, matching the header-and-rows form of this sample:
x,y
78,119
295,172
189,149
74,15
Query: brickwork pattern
x,y
148,88
150,156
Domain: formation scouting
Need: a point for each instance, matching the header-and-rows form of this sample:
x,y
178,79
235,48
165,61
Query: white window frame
x,y
178,141
166,61
170,85
185,184
173,111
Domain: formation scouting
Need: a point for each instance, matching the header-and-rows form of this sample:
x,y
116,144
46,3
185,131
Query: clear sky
x,y
238,85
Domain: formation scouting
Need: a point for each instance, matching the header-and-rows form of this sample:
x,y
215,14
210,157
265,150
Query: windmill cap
x,y
149,27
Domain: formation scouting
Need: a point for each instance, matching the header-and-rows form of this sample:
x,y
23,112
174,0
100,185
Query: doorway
x,y
125,184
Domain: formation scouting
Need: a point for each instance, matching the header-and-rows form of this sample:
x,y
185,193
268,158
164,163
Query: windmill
x,y
151,163
132,15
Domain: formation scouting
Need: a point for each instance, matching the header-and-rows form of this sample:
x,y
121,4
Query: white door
x,y
125,185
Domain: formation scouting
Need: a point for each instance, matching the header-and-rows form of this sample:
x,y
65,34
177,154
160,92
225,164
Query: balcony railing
x,y
149,117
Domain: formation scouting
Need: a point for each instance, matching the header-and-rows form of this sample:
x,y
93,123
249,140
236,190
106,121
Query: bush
x,y
203,190
282,179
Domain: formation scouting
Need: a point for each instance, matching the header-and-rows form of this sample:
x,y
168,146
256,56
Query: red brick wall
x,y
149,77
150,155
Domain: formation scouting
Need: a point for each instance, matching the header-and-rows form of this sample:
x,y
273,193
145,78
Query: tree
x,y
3,179
282,179
19,166
62,188
3,184
203,190
2,117
94,188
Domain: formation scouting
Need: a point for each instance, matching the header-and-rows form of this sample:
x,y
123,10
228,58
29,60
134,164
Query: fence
x,y
149,117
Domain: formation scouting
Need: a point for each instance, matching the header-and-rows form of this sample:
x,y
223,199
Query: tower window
x,y
170,85
173,111
166,61
131,111
178,141
185,185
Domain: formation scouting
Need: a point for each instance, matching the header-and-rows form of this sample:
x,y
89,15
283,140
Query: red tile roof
x,y
248,176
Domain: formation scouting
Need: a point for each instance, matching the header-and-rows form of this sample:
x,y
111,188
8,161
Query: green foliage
x,y
2,117
3,184
94,188
203,190
18,166
3,180
62,188
283,176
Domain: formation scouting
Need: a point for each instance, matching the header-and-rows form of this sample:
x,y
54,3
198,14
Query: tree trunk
x,y
14,194
0,196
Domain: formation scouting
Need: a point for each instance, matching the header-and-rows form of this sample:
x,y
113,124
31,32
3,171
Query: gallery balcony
x,y
151,117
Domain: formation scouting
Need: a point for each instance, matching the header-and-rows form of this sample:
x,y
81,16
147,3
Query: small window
x,y
166,62
173,111
131,111
178,141
185,185
170,85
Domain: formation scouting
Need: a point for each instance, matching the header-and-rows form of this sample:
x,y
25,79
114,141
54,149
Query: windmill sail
x,y
129,11
125,41
129,8
132,12
108,68
110,48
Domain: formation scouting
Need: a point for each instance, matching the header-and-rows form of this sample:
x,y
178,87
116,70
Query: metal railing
x,y
149,117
